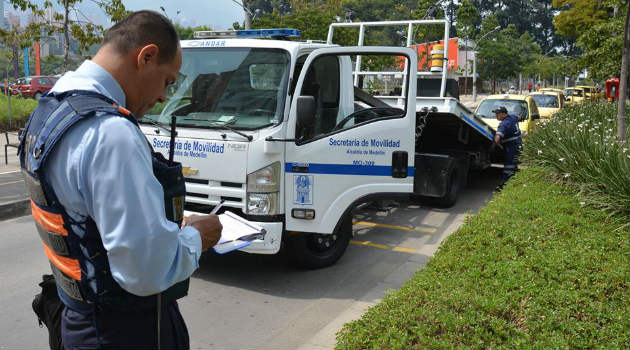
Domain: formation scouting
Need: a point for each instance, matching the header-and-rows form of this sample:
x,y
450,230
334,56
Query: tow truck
x,y
286,134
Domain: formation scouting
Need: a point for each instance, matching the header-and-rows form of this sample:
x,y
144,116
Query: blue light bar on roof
x,y
249,33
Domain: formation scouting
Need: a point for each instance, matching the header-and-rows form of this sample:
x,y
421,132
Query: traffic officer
x,y
509,136
105,205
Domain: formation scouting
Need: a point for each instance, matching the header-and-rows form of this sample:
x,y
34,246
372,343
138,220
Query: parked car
x,y
574,95
524,107
34,86
591,92
548,102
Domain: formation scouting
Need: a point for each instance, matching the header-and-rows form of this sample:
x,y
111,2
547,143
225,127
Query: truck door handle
x,y
399,164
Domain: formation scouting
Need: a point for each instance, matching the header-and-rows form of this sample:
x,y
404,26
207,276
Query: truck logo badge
x,y
187,171
303,189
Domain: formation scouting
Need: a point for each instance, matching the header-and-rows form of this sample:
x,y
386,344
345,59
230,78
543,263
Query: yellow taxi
x,y
548,102
524,107
591,92
551,89
574,95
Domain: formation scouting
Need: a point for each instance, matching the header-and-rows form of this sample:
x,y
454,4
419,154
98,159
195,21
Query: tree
x,y
467,15
576,15
505,56
187,33
623,81
72,22
598,31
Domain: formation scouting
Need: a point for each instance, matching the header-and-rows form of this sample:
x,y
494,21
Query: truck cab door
x,y
346,149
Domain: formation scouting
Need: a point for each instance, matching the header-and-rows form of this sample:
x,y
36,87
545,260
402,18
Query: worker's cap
x,y
501,109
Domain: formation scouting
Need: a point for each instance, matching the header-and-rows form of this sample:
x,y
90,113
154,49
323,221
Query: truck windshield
x,y
244,88
516,107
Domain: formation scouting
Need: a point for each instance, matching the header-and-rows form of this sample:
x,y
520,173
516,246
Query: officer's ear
x,y
147,55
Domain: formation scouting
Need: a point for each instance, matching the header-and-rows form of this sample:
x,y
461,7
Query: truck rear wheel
x,y
314,250
452,193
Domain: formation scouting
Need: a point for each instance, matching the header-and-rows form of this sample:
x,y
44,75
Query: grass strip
x,y
535,269
21,109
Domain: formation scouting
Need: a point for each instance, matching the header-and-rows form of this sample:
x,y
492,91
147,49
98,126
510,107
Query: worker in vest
x,y
106,206
509,136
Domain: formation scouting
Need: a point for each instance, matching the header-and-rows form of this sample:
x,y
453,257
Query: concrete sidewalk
x,y
13,199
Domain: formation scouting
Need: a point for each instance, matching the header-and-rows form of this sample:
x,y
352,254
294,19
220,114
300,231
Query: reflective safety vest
x,y
74,248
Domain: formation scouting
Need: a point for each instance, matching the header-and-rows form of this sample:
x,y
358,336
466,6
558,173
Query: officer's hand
x,y
209,228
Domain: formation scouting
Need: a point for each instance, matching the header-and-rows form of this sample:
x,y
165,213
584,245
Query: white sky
x,y
218,14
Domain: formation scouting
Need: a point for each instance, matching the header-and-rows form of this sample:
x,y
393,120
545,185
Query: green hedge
x,y
535,269
21,109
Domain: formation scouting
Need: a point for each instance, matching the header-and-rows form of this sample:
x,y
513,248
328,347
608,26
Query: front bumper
x,y
271,243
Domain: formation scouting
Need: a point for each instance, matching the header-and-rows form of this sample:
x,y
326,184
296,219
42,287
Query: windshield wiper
x,y
146,120
226,127
223,126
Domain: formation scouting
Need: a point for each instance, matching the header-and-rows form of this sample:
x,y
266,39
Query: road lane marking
x,y
394,227
369,244
405,250
10,172
383,246
10,182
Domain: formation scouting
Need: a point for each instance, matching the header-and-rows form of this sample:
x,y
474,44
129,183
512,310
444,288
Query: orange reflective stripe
x,y
47,220
124,110
70,267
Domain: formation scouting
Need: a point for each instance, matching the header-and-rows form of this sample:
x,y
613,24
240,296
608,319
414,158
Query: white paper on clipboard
x,y
237,232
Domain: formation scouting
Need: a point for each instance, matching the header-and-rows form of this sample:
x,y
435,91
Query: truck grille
x,y
209,192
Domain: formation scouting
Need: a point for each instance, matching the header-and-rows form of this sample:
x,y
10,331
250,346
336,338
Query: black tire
x,y
452,192
311,251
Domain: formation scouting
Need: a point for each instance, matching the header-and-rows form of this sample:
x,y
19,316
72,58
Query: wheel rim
x,y
320,243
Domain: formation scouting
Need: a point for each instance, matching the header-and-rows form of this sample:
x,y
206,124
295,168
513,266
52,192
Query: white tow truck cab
x,y
284,134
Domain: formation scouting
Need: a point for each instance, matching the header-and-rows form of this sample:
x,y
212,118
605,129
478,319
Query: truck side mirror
x,y
306,109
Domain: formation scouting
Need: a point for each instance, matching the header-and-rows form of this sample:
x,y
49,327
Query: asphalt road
x,y
259,302
12,187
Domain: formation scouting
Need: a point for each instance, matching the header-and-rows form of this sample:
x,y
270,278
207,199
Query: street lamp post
x,y
475,62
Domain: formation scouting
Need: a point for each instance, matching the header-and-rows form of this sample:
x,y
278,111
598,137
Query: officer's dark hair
x,y
142,28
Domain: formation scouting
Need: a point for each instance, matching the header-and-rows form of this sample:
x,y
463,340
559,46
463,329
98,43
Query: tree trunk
x,y
248,18
623,81
66,36
16,63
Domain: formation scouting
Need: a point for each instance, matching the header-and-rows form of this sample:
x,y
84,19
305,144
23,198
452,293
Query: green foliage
x,y
534,269
602,45
71,22
599,34
579,144
506,55
21,109
467,15
531,16
311,20
577,15
186,33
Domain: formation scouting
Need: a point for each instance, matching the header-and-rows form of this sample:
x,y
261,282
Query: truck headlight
x,y
262,203
263,187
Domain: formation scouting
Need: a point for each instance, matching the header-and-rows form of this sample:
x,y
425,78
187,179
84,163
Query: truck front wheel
x,y
314,250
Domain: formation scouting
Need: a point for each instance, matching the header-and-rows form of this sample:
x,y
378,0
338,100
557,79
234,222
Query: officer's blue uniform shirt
x,y
508,129
102,168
